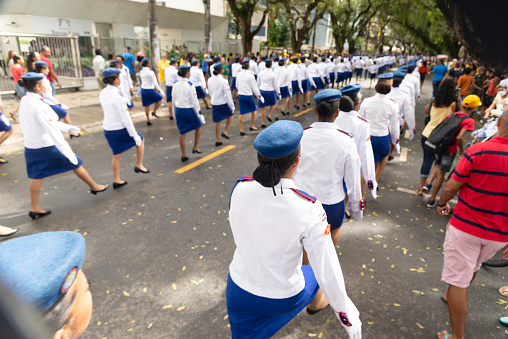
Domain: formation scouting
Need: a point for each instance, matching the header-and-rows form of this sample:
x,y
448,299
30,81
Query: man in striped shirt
x,y
479,227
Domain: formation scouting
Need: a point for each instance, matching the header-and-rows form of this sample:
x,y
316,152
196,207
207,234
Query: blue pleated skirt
x,y
296,89
270,99
186,120
59,111
47,161
381,147
335,214
149,96
233,83
319,84
340,77
221,112
5,125
200,92
284,91
254,317
247,104
359,71
332,77
169,91
120,140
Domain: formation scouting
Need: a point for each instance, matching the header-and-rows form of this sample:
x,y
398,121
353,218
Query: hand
x,y
74,129
73,159
412,134
64,106
60,86
261,99
357,215
445,210
137,139
505,253
202,118
232,108
397,148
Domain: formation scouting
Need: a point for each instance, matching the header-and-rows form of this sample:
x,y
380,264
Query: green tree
x,y
243,11
278,28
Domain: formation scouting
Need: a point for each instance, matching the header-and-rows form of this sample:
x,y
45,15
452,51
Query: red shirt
x,y
467,124
423,69
482,207
50,66
17,71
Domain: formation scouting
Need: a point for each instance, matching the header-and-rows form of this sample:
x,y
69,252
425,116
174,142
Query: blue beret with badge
x,y
41,64
40,268
245,61
114,63
268,60
387,75
280,139
399,74
32,76
328,94
217,66
184,67
351,89
110,72
172,61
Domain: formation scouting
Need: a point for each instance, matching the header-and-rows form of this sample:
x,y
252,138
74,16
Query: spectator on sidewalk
x,y
423,70
17,71
479,227
111,57
163,64
439,72
464,83
6,130
478,82
130,62
99,65
52,77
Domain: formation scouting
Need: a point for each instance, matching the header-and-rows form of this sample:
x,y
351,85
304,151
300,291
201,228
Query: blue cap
x,y
268,60
40,268
280,139
412,63
144,60
110,72
282,59
403,68
351,89
387,75
237,57
217,66
172,61
114,63
328,94
245,61
323,58
41,63
184,67
399,74
32,76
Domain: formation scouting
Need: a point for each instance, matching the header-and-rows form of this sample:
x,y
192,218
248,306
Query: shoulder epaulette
x,y
305,195
307,128
245,178
392,100
359,117
346,133
190,83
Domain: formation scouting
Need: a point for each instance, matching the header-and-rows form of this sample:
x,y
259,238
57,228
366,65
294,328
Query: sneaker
x,y
431,203
426,188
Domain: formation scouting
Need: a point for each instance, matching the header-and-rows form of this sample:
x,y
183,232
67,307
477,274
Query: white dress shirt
x,y
322,66
261,66
125,82
185,96
48,95
359,64
219,91
357,126
341,67
330,68
305,75
197,78
294,72
148,80
283,78
373,69
382,115
235,68
348,66
270,232
328,158
116,113
267,81
253,67
171,75
246,84
98,64
408,87
406,110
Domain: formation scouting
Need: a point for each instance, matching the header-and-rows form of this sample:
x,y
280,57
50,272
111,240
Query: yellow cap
x,y
471,101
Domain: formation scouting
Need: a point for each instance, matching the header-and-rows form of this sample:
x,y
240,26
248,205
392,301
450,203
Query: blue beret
x,y
245,61
328,94
405,67
412,63
184,67
41,63
113,63
323,58
351,89
280,139
144,60
40,268
32,76
387,75
217,66
399,74
172,61
216,58
110,72
402,70
268,60
237,57
282,59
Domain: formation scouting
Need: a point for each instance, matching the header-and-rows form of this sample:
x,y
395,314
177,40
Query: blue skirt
x,y
381,147
221,112
349,75
359,71
319,84
5,125
149,96
284,91
305,85
247,104
169,90
373,75
120,140
59,111
47,161
332,77
270,99
186,120
233,83
200,92
254,317
335,214
296,89
340,77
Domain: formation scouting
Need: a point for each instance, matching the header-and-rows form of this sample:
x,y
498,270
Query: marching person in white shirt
x,y
383,117
171,76
118,127
262,64
307,81
247,85
349,71
46,151
359,65
285,88
57,106
235,68
372,72
323,70
269,89
223,106
186,110
296,81
126,85
198,80
149,96
253,67
340,70
98,63
267,283
318,80
331,71
414,80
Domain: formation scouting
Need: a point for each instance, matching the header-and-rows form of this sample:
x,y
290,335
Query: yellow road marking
x,y
205,159
302,112
403,154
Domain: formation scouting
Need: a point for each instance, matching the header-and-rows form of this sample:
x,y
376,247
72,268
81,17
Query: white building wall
x,y
126,30
15,23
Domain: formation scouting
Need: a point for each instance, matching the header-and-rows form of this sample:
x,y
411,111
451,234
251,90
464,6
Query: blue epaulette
x,y
305,195
190,83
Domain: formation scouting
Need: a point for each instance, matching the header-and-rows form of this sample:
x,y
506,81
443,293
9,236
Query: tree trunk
x,y
208,26
154,38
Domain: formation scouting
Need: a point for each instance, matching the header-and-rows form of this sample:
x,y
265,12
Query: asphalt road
x,y
158,249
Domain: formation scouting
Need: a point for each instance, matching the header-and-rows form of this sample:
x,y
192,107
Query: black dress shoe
x,y
35,215
196,151
184,159
218,143
154,115
14,230
269,119
311,312
263,126
255,129
139,170
225,135
297,107
390,158
148,123
283,113
94,192
117,185
276,118
303,105
242,133
74,135
171,117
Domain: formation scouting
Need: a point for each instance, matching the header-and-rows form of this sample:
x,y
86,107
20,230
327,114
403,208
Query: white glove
x,y
397,148
74,129
137,139
357,215
162,93
64,106
261,99
71,156
202,118
206,90
232,108
355,331
411,134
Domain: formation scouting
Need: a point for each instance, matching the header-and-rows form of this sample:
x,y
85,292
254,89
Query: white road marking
x,y
403,154
413,192
406,135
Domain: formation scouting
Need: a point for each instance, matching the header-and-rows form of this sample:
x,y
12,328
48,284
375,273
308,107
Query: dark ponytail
x,y
29,85
109,80
182,72
326,109
216,71
270,170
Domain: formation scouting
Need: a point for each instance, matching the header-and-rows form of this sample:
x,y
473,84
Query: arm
x,y
312,83
203,81
460,140
299,78
488,110
53,74
275,84
409,113
352,168
194,100
156,83
254,86
53,127
125,117
367,161
227,90
394,128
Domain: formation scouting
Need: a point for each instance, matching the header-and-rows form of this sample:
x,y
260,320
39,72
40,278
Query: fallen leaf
x,y
145,289
149,325
420,326
165,307
126,294
396,305
184,268
181,308
173,285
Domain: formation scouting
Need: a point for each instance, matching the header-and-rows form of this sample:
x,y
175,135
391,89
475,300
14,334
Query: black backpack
x,y
442,136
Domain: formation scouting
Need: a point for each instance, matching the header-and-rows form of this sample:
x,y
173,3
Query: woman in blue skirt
x,y
46,151
118,127
186,110
247,85
57,106
149,95
269,89
198,80
285,86
223,106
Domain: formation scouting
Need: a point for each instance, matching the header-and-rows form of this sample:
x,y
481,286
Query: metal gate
x,y
64,56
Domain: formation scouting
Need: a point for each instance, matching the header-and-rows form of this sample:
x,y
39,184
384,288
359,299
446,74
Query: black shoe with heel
x,y
94,192
255,129
218,143
117,185
184,159
269,119
242,133
36,215
139,170
196,151
155,115
224,135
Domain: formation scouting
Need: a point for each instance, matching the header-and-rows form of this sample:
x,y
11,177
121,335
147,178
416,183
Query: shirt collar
x,y
322,124
501,140
34,95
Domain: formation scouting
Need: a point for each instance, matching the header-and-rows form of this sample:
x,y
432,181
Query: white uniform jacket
x,y
341,67
382,113
246,84
359,128
328,158
322,66
267,81
294,72
185,96
197,78
125,82
416,86
314,72
330,68
406,110
261,66
171,75
253,67
219,91
235,68
149,81
116,113
283,78
269,233
305,75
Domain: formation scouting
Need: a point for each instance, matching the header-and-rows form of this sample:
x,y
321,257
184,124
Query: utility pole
x,y
208,27
153,36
